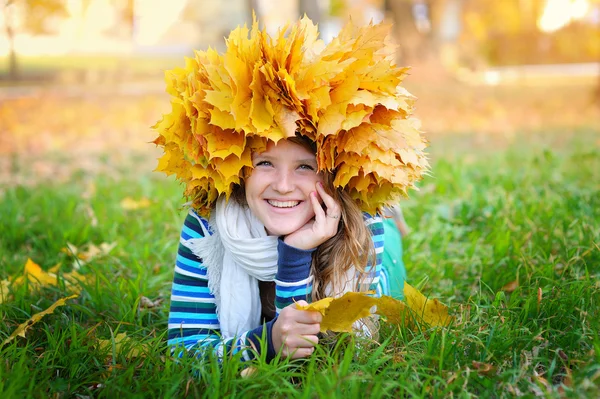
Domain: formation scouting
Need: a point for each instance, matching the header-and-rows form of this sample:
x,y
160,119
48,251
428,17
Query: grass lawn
x,y
523,215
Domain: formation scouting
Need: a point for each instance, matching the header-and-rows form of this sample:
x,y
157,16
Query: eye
x,y
263,163
307,167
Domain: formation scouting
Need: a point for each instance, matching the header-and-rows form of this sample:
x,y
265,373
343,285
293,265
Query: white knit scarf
x,y
237,255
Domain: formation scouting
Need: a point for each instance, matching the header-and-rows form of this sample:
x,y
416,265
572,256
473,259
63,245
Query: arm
x,y
193,321
294,332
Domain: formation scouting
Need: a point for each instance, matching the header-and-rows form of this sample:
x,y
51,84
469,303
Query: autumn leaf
x,y
431,311
4,284
271,87
36,276
483,368
510,287
147,303
339,314
88,252
34,273
22,328
120,343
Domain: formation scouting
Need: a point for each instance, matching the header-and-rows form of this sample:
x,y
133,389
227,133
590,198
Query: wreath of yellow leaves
x,y
345,96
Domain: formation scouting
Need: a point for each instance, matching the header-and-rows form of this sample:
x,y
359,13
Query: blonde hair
x,y
351,247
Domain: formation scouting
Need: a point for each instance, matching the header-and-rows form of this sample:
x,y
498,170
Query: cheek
x,y
250,186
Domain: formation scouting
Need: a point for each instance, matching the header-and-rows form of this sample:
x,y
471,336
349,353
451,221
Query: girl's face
x,y
278,189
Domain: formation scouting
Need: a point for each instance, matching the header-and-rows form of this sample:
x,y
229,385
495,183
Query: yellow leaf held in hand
x,y
432,311
392,309
22,329
319,306
339,314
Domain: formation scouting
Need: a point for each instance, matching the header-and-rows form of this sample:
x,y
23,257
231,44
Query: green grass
x,y
490,214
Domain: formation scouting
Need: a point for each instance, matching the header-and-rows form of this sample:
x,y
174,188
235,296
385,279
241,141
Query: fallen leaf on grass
x,y
248,372
483,368
34,273
22,329
130,204
121,342
88,252
146,303
36,276
4,284
340,313
510,287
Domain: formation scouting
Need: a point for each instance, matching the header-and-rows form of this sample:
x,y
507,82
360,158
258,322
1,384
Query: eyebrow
x,y
270,158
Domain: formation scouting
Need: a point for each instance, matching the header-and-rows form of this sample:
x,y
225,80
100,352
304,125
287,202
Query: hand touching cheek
x,y
324,225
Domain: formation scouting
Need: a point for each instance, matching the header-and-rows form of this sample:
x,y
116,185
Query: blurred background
x,y
81,81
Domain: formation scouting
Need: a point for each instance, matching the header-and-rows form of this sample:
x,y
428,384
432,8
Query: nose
x,y
284,182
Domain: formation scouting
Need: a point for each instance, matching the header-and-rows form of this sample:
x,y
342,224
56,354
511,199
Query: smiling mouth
x,y
283,204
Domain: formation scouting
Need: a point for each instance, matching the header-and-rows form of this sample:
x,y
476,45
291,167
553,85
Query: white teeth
x,y
283,204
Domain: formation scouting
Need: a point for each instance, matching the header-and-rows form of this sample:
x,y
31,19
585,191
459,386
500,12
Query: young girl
x,y
288,149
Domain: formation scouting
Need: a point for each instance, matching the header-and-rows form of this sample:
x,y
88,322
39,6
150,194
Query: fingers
x,y
295,331
299,346
301,353
333,208
317,208
330,216
305,316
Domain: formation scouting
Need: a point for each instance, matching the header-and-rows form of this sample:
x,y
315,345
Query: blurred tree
x,y
252,6
124,26
424,28
507,32
407,36
29,16
311,8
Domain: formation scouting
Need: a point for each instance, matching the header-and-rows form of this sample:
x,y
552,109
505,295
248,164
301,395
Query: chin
x,y
284,228
280,231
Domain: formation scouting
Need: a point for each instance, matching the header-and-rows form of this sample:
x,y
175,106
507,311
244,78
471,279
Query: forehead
x,y
286,149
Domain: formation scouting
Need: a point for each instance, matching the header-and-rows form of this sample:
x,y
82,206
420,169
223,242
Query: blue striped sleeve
x,y
193,322
293,281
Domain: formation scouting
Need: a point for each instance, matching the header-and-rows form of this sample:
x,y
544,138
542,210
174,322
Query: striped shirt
x,y
193,322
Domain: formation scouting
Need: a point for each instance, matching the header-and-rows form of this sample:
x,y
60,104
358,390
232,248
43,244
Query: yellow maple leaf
x,y
330,122
34,273
392,309
22,328
432,311
339,314
269,87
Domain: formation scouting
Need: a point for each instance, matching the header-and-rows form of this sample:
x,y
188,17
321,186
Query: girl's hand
x,y
295,331
322,227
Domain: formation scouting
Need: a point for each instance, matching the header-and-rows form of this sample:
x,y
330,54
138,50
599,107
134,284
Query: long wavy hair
x,y
340,263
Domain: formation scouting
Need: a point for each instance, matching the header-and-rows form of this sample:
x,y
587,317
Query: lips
x,y
283,204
